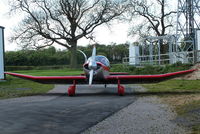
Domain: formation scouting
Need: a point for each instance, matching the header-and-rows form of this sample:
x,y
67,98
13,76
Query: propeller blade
x,y
92,61
94,53
83,55
91,77
92,65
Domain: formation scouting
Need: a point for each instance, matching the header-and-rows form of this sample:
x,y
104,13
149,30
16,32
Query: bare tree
x,y
63,22
157,18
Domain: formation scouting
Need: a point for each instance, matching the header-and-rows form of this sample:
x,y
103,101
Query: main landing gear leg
x,y
71,89
121,89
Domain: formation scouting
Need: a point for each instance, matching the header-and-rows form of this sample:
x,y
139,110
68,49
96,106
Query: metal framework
x,y
154,46
183,47
188,19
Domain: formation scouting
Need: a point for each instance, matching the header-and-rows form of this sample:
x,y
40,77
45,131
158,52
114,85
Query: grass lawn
x,y
175,85
59,72
16,87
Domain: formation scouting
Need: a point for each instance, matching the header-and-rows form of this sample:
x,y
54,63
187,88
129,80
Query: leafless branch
x,y
159,21
62,22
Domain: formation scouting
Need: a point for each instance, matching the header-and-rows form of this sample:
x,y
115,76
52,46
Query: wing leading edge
x,y
112,79
136,79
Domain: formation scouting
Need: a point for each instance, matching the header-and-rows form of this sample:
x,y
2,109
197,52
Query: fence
x,y
163,59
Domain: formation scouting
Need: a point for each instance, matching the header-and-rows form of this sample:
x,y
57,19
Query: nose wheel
x,y
121,89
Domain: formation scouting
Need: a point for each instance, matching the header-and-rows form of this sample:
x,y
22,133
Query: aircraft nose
x,y
92,65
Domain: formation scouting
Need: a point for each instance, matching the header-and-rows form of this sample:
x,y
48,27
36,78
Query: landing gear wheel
x,y
71,90
121,90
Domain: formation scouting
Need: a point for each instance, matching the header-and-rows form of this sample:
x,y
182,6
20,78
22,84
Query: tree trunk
x,y
164,48
73,55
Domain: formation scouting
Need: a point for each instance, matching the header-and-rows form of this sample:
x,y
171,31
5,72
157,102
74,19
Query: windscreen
x,y
101,59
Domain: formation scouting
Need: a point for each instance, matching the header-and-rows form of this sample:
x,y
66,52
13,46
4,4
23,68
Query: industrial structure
x,y
183,47
2,76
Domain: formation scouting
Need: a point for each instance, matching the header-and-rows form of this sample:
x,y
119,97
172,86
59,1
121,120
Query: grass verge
x,y
59,72
190,113
187,108
175,85
16,87
184,97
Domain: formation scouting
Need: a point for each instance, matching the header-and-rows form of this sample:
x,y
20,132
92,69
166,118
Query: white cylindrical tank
x,y
133,54
197,38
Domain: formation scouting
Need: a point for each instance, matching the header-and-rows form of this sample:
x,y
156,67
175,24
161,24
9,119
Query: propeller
x,y
91,77
92,65
83,55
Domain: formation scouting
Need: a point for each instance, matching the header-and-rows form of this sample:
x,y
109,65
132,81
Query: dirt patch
x,y
194,75
187,108
179,100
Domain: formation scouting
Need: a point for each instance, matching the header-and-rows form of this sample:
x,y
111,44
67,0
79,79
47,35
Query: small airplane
x,y
96,70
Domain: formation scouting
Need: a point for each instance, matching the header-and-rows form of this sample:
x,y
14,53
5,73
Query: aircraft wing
x,y
111,79
137,79
52,79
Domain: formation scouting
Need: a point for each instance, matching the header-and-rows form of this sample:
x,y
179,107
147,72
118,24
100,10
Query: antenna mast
x,y
188,19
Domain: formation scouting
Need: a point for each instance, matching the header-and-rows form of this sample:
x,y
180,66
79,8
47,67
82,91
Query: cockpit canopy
x,y
101,59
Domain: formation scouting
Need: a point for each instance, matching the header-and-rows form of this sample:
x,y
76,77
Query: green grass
x,y
59,72
149,69
183,109
174,86
196,129
186,112
16,87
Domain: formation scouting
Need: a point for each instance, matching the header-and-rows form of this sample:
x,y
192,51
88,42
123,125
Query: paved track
x,y
56,113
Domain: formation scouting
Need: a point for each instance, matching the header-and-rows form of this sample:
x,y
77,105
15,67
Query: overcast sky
x,y
103,34
118,33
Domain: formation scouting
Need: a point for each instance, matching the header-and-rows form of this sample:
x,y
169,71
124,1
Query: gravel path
x,y
147,115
